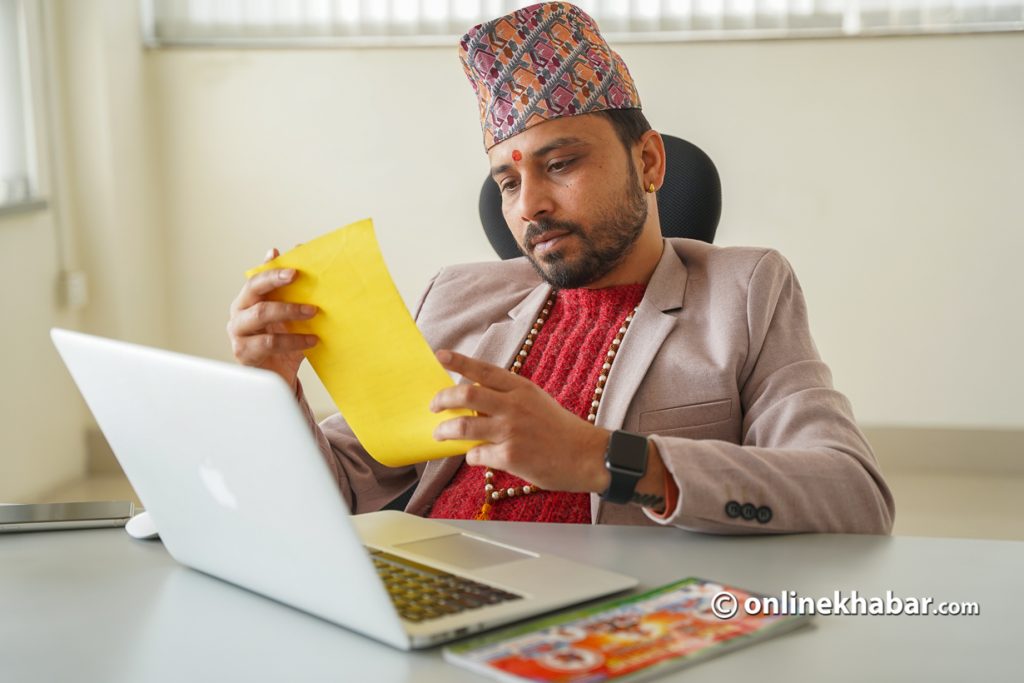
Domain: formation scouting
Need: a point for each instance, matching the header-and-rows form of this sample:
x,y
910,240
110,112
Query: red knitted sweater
x,y
565,361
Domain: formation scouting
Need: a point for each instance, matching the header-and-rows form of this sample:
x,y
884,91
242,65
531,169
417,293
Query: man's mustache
x,y
537,229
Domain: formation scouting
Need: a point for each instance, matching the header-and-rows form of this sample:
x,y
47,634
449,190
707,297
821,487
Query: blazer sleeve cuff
x,y
673,495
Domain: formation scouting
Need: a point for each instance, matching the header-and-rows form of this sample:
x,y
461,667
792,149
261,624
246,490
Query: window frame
x,y
32,103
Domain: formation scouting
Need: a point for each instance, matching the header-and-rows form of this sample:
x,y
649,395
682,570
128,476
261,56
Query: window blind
x,y
439,22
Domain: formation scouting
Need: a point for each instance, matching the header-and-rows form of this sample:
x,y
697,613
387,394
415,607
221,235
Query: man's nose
x,y
535,199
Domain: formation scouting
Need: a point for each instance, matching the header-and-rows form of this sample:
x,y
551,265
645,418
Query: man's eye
x,y
508,186
559,165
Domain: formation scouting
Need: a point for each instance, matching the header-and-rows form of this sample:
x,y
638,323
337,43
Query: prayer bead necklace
x,y
492,494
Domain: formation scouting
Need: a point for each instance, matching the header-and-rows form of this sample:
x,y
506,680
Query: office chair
x,y
689,201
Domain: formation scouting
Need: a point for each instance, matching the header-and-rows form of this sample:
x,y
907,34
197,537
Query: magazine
x,y
625,639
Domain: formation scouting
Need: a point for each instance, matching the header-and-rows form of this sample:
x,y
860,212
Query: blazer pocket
x,y
693,415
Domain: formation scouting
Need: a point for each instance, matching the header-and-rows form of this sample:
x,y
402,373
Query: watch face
x,y
627,451
626,461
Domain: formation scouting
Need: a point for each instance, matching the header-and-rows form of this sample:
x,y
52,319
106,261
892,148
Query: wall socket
x,y
73,289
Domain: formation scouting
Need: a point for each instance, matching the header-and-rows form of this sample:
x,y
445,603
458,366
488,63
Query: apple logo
x,y
214,482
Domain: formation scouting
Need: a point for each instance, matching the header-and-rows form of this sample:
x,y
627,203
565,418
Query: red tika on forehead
x,y
539,63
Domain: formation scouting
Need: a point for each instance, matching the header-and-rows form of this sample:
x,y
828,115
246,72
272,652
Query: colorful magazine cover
x,y
624,639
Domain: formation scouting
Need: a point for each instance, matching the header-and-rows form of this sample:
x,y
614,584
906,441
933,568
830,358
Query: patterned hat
x,y
540,63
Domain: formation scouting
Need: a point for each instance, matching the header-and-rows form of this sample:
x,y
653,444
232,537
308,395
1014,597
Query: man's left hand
x,y
526,432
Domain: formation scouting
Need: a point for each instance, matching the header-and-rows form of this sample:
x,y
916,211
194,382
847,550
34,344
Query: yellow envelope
x,y
372,359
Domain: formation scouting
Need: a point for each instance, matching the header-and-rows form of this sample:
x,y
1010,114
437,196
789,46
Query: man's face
x,y
571,196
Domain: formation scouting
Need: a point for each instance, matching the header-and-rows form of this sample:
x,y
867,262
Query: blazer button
x,y
748,511
732,508
764,514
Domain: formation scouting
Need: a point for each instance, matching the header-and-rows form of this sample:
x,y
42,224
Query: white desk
x,y
99,606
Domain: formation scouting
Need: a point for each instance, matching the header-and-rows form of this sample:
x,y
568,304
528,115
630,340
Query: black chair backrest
x,y
689,201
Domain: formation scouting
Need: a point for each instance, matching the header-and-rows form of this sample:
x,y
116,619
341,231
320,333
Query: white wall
x,y
42,418
887,171
102,217
116,206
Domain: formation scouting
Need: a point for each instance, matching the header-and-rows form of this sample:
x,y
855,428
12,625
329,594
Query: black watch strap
x,y
626,462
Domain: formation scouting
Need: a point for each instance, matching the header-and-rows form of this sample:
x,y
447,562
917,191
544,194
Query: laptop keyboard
x,y
421,593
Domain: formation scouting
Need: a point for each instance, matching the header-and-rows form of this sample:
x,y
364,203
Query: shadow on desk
x,y
195,614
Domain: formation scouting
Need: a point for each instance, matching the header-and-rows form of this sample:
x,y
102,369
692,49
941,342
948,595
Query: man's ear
x,y
652,159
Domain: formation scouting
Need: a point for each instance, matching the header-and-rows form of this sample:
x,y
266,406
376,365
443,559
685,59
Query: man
x,y
618,377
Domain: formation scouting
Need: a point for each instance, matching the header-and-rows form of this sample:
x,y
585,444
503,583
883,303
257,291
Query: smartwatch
x,y
626,462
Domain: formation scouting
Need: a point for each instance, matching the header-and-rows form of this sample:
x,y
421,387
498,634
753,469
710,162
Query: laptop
x,y
224,461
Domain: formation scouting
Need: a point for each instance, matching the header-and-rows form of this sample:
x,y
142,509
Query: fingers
x,y
258,328
261,284
471,428
255,349
489,455
470,396
488,375
263,315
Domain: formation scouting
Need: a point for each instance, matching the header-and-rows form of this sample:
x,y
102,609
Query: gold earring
x,y
650,189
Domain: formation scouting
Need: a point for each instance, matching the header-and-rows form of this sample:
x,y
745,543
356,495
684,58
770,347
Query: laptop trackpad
x,y
464,551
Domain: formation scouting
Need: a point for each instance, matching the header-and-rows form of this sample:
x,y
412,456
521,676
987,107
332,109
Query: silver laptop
x,y
228,468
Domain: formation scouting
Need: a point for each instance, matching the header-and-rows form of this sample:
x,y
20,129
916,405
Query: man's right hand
x,y
257,330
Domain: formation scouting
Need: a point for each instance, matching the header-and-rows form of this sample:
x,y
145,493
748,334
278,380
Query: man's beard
x,y
610,240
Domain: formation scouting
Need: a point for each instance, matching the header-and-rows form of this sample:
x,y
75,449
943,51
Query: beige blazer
x,y
718,367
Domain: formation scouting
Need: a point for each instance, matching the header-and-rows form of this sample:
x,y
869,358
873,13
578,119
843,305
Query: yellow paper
x,y
372,359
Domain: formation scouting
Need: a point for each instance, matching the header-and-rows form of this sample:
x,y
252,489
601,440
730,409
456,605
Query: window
x,y
17,149
440,22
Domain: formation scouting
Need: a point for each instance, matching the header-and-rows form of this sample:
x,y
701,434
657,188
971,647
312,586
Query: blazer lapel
x,y
502,340
651,325
497,346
